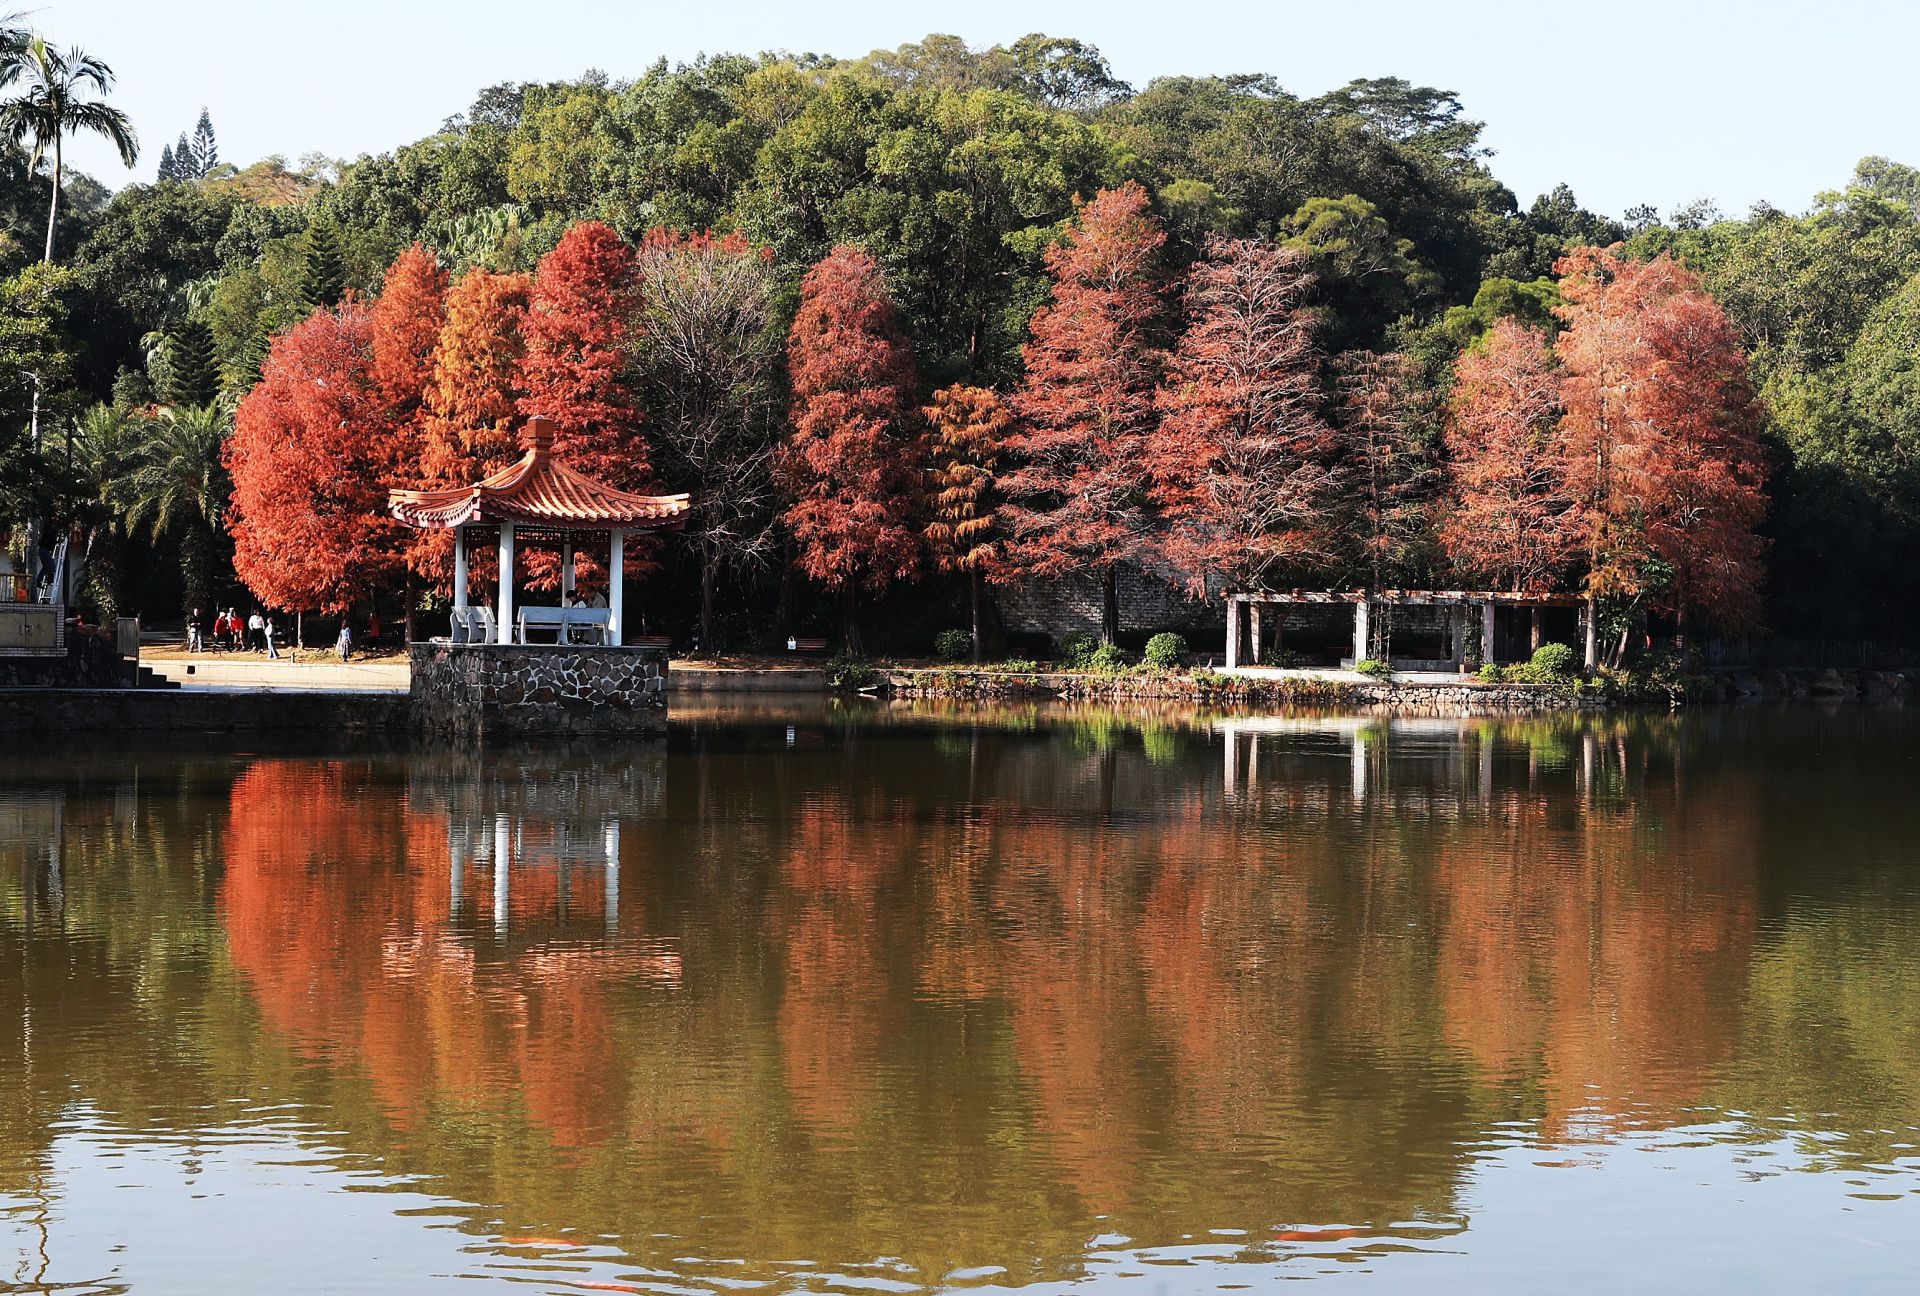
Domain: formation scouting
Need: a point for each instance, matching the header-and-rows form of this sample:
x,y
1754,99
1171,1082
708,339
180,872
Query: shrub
x,y
1075,647
851,673
1554,662
1108,659
1371,667
1016,666
1164,651
953,645
1490,674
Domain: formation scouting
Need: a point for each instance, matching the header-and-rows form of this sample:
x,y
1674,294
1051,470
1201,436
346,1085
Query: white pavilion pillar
x,y
460,567
1486,632
616,584
1362,611
1258,650
503,607
1233,631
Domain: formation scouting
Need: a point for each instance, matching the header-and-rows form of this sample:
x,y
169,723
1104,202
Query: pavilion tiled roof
x,y
539,491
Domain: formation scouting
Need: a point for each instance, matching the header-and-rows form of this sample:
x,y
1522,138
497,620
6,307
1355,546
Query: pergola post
x,y
1486,632
503,606
1534,629
1362,611
1592,629
616,584
1233,631
460,567
1257,650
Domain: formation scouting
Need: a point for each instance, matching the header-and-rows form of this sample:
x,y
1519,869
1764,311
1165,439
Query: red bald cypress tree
x,y
969,429
1240,461
407,320
310,472
1076,501
1662,427
852,463
575,330
1512,520
472,397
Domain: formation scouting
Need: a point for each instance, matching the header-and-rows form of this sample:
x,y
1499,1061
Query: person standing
x,y
236,630
256,630
266,633
345,642
193,631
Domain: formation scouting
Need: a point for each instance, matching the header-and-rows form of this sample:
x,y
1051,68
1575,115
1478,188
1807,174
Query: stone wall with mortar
x,y
533,690
91,661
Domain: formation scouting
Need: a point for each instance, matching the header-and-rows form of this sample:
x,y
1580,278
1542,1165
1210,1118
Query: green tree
x,y
177,487
53,103
193,371
323,279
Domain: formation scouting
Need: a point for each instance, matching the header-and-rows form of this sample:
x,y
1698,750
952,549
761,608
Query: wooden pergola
x,y
541,494
1245,628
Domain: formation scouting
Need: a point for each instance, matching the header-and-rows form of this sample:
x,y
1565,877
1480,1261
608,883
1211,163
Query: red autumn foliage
x,y
309,458
851,465
1512,520
969,428
575,374
407,320
1086,407
472,397
1662,427
1240,461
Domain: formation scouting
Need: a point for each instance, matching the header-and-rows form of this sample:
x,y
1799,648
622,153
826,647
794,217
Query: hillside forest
x,y
919,326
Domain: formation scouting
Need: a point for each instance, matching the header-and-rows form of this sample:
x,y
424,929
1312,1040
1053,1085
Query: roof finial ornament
x,y
537,436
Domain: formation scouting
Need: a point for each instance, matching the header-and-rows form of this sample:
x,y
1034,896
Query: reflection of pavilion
x,y
510,846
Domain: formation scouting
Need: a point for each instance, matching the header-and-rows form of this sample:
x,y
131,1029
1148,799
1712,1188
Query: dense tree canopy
x,y
626,255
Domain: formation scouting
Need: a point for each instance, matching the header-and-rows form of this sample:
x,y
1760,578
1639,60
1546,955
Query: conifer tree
x,y
1077,501
1241,460
206,153
323,279
852,464
168,169
576,368
969,428
192,374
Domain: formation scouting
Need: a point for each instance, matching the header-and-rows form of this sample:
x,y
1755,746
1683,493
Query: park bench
x,y
474,625
569,625
662,642
806,645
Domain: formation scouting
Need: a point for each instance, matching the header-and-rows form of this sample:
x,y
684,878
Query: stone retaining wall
x,y
528,690
59,712
91,661
1462,698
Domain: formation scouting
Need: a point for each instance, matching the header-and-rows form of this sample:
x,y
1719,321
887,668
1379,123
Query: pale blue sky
x,y
1628,101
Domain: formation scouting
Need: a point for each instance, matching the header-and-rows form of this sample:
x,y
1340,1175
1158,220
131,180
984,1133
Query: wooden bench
x,y
650,641
806,645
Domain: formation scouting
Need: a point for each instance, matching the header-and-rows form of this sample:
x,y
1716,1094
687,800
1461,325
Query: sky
x,y
1660,103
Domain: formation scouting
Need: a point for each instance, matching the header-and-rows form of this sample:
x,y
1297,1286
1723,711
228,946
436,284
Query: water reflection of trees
x,y
952,1000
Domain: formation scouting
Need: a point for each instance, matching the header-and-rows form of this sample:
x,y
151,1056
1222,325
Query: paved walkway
x,y
278,676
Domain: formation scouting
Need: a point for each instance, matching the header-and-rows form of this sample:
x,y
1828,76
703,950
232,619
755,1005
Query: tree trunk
x,y
53,208
850,620
406,621
973,575
1110,604
709,576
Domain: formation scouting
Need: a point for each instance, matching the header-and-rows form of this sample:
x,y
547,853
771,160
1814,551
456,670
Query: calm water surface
x,y
880,1002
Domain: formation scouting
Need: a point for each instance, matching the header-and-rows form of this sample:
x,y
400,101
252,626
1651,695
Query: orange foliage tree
x,y
1076,501
309,455
852,463
969,427
1662,428
1240,464
575,330
1512,519
471,397
1389,469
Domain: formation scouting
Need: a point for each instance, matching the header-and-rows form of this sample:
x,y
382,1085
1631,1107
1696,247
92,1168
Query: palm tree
x,y
178,485
52,105
104,446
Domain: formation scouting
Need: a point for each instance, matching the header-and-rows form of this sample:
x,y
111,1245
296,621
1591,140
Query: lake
x,y
834,999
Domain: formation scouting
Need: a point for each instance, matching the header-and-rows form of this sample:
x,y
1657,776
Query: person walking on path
x,y
266,633
193,632
345,642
